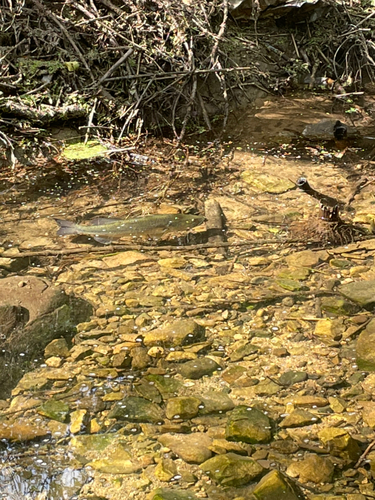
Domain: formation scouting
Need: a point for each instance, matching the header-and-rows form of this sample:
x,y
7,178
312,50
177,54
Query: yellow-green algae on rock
x,y
82,151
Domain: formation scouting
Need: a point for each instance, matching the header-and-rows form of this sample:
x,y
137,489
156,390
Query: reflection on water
x,y
38,472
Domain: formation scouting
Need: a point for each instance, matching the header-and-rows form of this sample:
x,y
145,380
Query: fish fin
x,y
66,227
100,221
103,240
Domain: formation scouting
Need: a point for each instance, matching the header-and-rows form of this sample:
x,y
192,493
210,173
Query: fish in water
x,y
105,230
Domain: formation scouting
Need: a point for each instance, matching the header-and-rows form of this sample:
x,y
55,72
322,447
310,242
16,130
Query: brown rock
x,y
193,448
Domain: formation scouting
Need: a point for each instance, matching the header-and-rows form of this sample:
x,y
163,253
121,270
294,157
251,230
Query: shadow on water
x,y
22,342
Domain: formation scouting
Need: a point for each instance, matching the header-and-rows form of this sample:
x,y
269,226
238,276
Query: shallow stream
x,y
174,369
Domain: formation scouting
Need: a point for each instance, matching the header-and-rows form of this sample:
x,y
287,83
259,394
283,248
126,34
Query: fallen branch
x,y
44,114
173,74
173,248
116,248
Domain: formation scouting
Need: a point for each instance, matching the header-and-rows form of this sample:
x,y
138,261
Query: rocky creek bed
x,y
243,372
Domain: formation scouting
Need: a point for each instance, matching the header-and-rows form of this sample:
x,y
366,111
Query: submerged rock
x,y
180,332
193,448
169,494
275,486
215,401
182,407
299,418
292,377
166,469
22,430
56,410
340,443
361,292
312,468
329,329
198,368
136,409
248,425
365,348
231,469
58,347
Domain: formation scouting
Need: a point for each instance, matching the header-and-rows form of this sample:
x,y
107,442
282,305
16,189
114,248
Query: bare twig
x,y
116,65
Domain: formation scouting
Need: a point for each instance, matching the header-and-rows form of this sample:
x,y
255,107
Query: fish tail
x,y
66,227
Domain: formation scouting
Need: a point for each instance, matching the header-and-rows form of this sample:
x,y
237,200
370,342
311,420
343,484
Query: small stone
x,y
182,408
173,262
306,258
23,403
143,319
280,352
264,388
215,402
166,385
136,409
107,373
156,352
312,468
330,329
125,259
340,443
117,459
54,361
299,418
149,301
180,332
258,261
275,486
57,347
368,384
292,377
244,349
368,413
307,401
231,374
180,356
78,421
169,494
285,446
166,469
121,360
140,358
80,352
146,389
32,380
56,410
338,405
114,396
365,348
220,446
